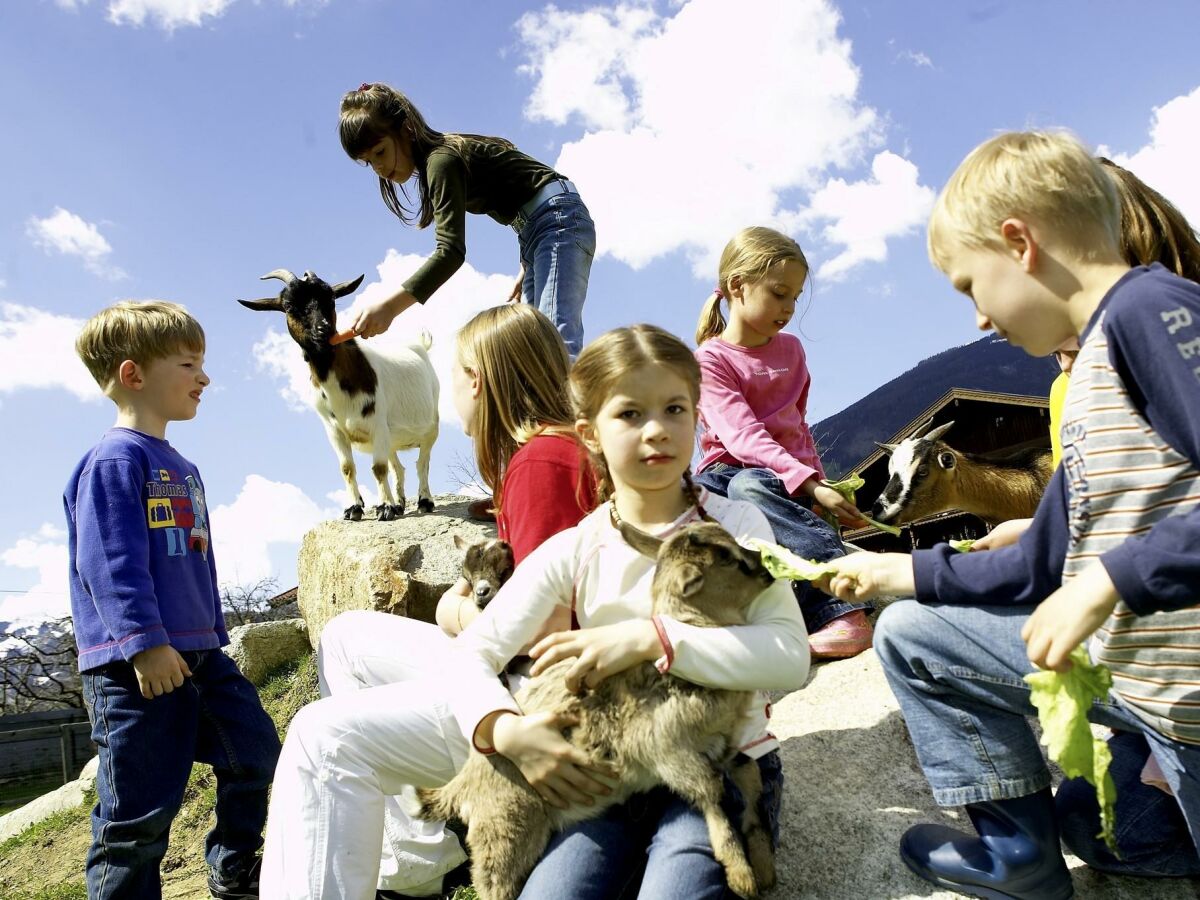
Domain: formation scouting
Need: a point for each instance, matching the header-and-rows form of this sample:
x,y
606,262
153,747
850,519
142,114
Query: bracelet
x,y
458,614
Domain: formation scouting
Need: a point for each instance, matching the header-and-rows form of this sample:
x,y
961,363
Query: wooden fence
x,y
37,747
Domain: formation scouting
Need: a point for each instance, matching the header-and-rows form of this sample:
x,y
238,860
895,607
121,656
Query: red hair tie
x,y
365,86
720,293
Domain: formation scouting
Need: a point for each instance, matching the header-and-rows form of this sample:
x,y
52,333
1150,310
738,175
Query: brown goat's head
x,y
703,576
920,469
309,304
486,566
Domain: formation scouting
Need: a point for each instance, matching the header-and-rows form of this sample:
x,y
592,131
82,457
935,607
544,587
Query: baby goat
x,y
486,565
377,402
651,729
929,476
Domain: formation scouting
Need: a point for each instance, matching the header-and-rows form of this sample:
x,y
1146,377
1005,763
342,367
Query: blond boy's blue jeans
x,y
958,674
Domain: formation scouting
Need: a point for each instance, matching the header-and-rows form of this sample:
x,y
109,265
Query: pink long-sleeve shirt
x,y
752,406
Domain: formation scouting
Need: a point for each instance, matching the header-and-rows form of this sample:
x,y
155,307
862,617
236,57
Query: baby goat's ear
x,y
643,543
347,287
266,303
459,542
691,579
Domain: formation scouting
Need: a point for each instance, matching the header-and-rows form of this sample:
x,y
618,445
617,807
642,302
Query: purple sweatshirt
x,y
752,406
141,565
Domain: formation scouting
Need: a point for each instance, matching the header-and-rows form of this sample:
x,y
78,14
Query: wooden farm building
x,y
985,423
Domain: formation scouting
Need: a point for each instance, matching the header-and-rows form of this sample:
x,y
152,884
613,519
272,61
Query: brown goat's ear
x,y
347,287
266,303
459,543
643,543
691,580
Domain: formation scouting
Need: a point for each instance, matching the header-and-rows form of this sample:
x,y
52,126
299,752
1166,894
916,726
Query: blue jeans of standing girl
x,y
146,752
653,847
557,245
796,527
958,673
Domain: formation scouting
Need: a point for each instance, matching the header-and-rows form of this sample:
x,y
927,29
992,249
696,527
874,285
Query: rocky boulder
x,y
262,647
400,567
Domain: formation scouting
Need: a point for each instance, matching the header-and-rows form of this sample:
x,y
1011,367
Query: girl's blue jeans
x,y
795,526
557,245
146,752
653,847
958,674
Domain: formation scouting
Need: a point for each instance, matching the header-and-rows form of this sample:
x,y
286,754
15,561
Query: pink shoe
x,y
842,638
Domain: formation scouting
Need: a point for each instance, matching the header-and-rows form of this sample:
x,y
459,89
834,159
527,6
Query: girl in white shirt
x,y
635,392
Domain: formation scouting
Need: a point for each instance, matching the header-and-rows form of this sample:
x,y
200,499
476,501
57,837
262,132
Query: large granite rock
x,y
262,647
401,567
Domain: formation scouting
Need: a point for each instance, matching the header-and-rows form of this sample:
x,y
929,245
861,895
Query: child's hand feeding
x,y
1066,618
863,576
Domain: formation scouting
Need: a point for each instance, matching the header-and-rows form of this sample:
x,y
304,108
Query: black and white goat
x,y
928,476
370,400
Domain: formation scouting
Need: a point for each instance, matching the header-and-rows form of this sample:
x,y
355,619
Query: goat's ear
x,y
691,580
459,543
938,432
266,303
645,544
887,448
751,559
945,459
347,287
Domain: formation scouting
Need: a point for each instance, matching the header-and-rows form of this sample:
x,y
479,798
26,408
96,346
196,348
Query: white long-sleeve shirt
x,y
591,569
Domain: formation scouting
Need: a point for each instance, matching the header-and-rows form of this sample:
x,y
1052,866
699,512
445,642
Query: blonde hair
x,y
611,357
1047,177
1152,228
522,365
140,330
747,257
376,111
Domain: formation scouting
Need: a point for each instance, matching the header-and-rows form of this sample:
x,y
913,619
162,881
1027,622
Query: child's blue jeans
x,y
557,246
958,673
146,752
653,847
796,527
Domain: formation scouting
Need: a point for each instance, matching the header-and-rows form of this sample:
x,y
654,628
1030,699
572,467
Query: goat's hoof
x,y
353,513
425,505
386,512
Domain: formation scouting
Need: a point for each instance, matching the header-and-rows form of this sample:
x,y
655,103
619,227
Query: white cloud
x,y
67,233
698,122
466,293
862,215
37,350
264,513
917,58
168,14
45,551
70,4
1168,162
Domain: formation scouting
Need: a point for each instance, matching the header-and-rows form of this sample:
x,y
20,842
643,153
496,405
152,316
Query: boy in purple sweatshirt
x,y
147,613
1027,228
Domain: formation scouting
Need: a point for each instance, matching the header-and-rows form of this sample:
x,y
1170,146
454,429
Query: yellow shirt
x,y
1058,394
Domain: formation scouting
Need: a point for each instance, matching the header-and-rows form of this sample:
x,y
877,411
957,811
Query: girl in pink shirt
x,y
755,444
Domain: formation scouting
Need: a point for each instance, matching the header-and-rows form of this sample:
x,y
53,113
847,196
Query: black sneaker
x,y
244,887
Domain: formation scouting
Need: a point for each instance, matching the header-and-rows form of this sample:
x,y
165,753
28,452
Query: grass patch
x,y
74,890
51,825
464,893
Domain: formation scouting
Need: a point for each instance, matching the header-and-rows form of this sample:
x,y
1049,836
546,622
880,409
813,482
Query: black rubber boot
x,y
1016,855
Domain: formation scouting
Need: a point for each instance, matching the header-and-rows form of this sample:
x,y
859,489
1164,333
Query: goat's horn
x,y
282,274
925,426
938,432
890,448
347,287
266,303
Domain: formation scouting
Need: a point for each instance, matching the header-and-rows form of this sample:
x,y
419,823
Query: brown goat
x,y
486,565
929,476
649,728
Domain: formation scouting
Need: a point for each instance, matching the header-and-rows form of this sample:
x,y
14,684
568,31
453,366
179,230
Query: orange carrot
x,y
342,336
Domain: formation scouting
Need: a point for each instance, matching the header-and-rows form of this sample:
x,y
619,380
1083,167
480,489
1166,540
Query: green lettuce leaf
x,y
847,488
1062,700
783,563
963,546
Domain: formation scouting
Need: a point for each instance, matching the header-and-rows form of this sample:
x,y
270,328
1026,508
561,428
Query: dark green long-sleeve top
x,y
495,181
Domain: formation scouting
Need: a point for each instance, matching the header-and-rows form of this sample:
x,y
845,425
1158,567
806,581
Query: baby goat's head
x,y
917,473
703,577
309,304
486,566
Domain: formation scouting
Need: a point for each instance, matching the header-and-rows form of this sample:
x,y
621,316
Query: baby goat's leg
x,y
748,779
693,778
381,452
341,446
504,850
424,498
398,479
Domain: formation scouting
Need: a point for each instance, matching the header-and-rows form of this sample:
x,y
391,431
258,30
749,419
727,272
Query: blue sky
x,y
178,149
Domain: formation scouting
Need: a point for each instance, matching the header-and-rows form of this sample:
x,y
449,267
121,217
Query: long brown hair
x,y
522,363
748,257
611,357
1152,228
376,111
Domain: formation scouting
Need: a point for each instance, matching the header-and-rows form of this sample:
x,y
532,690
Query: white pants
x,y
351,759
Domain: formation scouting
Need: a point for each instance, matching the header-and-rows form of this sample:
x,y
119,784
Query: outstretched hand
x,y
830,500
864,576
1067,618
598,652
560,772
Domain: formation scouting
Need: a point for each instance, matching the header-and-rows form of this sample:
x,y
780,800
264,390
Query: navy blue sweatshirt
x,y
141,564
